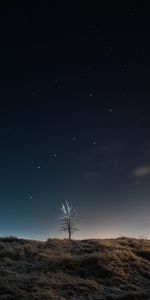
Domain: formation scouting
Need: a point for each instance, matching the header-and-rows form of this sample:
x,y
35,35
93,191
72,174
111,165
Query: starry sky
x,y
74,122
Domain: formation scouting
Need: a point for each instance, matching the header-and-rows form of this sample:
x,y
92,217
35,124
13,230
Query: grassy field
x,y
75,270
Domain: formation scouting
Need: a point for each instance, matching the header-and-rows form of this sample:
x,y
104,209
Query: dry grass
x,y
75,270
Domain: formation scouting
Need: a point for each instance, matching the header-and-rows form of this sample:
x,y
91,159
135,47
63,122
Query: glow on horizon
x,y
81,235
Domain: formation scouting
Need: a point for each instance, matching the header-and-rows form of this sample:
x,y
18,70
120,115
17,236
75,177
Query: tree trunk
x,y
69,231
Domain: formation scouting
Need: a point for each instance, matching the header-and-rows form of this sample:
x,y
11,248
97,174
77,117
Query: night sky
x,y
74,122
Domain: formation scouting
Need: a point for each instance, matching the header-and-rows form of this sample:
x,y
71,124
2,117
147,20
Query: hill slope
x,y
62,269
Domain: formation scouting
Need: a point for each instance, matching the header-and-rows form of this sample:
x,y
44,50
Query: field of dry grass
x,y
75,270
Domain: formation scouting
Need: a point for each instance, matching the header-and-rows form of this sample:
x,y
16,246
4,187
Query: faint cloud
x,y
142,171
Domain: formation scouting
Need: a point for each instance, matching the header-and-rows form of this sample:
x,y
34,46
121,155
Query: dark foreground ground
x,y
62,269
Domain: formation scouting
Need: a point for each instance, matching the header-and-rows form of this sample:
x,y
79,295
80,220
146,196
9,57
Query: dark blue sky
x,y
74,122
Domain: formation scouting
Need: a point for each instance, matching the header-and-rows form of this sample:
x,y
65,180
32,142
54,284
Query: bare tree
x,y
69,219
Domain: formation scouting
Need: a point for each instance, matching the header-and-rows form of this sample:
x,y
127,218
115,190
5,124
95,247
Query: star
x,y
74,139
53,155
38,167
110,110
94,143
91,95
30,197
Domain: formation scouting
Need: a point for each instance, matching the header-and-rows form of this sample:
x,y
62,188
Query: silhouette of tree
x,y
69,219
